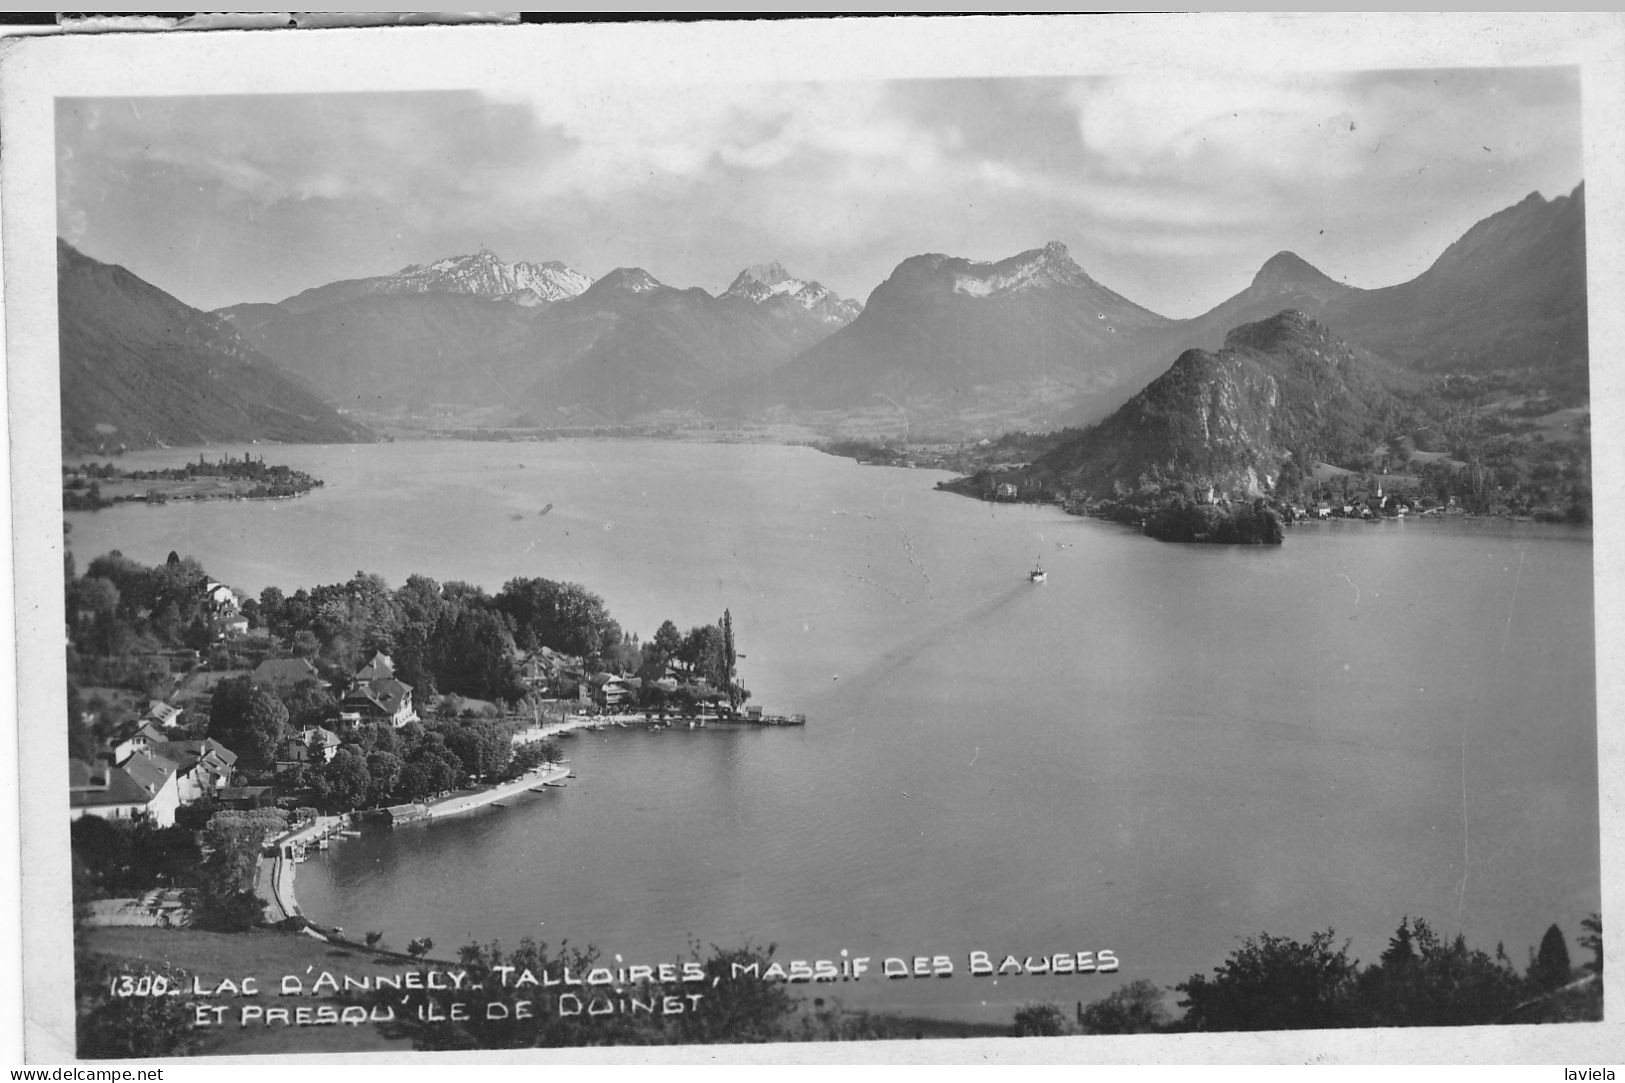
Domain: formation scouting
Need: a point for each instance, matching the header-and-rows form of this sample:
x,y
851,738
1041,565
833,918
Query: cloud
x,y
615,138
1223,124
845,178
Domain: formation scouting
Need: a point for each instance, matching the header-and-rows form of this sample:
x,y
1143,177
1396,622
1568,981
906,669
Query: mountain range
x,y
482,275
944,346
140,369
473,331
1032,342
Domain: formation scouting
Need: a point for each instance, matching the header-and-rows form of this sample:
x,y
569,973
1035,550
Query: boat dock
x,y
274,881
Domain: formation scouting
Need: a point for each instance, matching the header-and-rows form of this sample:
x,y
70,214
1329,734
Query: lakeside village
x,y
214,739
1526,458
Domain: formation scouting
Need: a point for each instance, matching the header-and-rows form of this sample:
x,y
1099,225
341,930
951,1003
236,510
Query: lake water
x,y
1159,751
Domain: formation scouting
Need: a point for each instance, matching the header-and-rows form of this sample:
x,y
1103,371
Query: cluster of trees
x,y
127,624
222,895
705,653
247,467
446,638
122,859
215,865
120,607
1421,980
81,488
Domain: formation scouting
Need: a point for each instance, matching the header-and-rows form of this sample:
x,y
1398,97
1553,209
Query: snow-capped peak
x,y
762,282
485,275
1038,268
628,280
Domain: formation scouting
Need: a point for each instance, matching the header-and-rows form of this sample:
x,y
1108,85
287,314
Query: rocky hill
x,y
1281,393
140,369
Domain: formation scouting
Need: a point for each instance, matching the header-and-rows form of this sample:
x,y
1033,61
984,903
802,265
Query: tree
x,y
249,720
563,616
419,601
1424,980
1593,941
271,599
223,896
481,746
1273,983
416,782
384,771
1038,1021
347,780
729,659
1550,968
667,642
531,755
474,655
703,653
1135,1008
309,703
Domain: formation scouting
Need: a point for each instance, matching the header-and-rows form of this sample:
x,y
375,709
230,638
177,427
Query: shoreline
x,y
530,780
275,879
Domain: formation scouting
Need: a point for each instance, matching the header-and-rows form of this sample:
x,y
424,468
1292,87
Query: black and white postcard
x,y
964,535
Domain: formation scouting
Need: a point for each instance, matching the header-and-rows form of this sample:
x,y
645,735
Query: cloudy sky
x,y
1170,190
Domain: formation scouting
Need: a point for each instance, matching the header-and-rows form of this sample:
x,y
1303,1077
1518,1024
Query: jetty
x,y
274,879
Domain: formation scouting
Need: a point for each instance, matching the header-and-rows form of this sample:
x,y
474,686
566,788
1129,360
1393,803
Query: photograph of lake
x,y
546,537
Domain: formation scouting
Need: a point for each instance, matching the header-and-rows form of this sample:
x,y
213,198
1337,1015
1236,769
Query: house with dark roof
x,y
143,787
229,624
136,735
162,714
378,668
383,699
222,599
547,671
285,672
202,768
311,745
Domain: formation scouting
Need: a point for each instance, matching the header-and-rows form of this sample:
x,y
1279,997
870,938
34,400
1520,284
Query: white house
x,y
143,787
